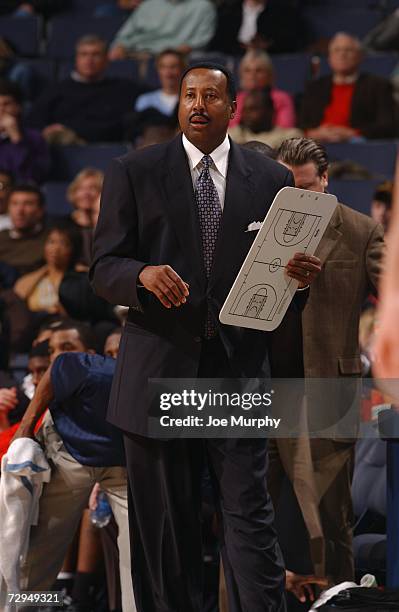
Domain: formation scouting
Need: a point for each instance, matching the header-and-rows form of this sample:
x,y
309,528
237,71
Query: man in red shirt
x,y
347,104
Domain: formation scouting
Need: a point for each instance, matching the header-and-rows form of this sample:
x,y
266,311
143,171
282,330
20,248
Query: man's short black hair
x,y
231,86
29,188
84,330
8,88
300,151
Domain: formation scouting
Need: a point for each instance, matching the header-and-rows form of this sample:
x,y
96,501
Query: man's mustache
x,y
201,115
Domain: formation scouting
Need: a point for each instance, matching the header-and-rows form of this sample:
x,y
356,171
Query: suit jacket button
x,y
197,338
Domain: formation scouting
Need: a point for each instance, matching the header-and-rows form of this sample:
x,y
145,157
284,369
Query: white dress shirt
x,y
249,26
218,170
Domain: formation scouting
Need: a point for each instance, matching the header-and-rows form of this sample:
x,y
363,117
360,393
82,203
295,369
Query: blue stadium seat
x,y
325,21
44,72
381,64
65,30
68,161
126,69
291,71
56,202
356,194
85,6
23,33
378,157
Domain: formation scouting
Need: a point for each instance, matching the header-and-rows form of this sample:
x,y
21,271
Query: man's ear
x,y
233,109
324,179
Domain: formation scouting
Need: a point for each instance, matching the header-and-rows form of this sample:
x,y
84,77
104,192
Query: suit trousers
x,y
165,522
320,471
60,508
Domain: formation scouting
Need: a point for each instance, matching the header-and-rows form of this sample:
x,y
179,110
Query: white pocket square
x,y
254,226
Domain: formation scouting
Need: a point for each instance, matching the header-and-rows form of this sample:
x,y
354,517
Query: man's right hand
x,y
165,284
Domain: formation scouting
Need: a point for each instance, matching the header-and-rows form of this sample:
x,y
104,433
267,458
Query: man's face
x,y
254,74
37,366
9,106
24,210
65,341
169,71
91,61
307,177
256,116
205,108
344,55
111,347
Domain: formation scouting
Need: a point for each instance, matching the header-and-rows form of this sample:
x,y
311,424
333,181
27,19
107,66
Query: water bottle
x,y
101,516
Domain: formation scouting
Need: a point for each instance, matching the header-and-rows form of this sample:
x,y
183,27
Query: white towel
x,y
24,469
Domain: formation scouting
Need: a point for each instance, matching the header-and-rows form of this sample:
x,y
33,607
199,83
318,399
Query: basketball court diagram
x,y
262,291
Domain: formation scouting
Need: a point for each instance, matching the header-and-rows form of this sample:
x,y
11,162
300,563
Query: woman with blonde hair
x,y
83,193
256,73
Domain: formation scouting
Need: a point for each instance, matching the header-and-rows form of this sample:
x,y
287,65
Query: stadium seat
x,y
65,30
369,494
291,71
22,33
354,193
44,73
325,21
56,202
84,6
68,161
378,157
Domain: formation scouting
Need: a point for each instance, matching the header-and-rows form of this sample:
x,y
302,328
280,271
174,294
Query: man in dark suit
x,y
170,240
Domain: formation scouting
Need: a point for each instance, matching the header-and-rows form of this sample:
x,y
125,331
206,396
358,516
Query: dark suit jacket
x,y
148,216
279,24
373,108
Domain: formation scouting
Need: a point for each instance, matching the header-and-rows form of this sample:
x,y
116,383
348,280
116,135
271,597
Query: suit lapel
x,y
331,236
181,205
238,211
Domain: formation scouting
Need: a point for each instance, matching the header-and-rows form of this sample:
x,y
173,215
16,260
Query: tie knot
x,y
206,161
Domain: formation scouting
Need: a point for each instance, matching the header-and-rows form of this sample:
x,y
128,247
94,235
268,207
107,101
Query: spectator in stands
x,y
22,245
22,150
381,205
83,193
256,73
274,25
170,66
87,106
187,25
6,184
347,104
257,122
39,289
15,399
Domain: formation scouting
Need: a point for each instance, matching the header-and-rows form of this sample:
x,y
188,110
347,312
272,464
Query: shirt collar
x,y
220,155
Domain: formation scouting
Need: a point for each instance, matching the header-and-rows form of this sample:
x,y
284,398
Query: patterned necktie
x,y
209,213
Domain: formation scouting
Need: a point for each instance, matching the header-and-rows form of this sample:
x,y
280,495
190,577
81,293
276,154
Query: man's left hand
x,y
303,268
